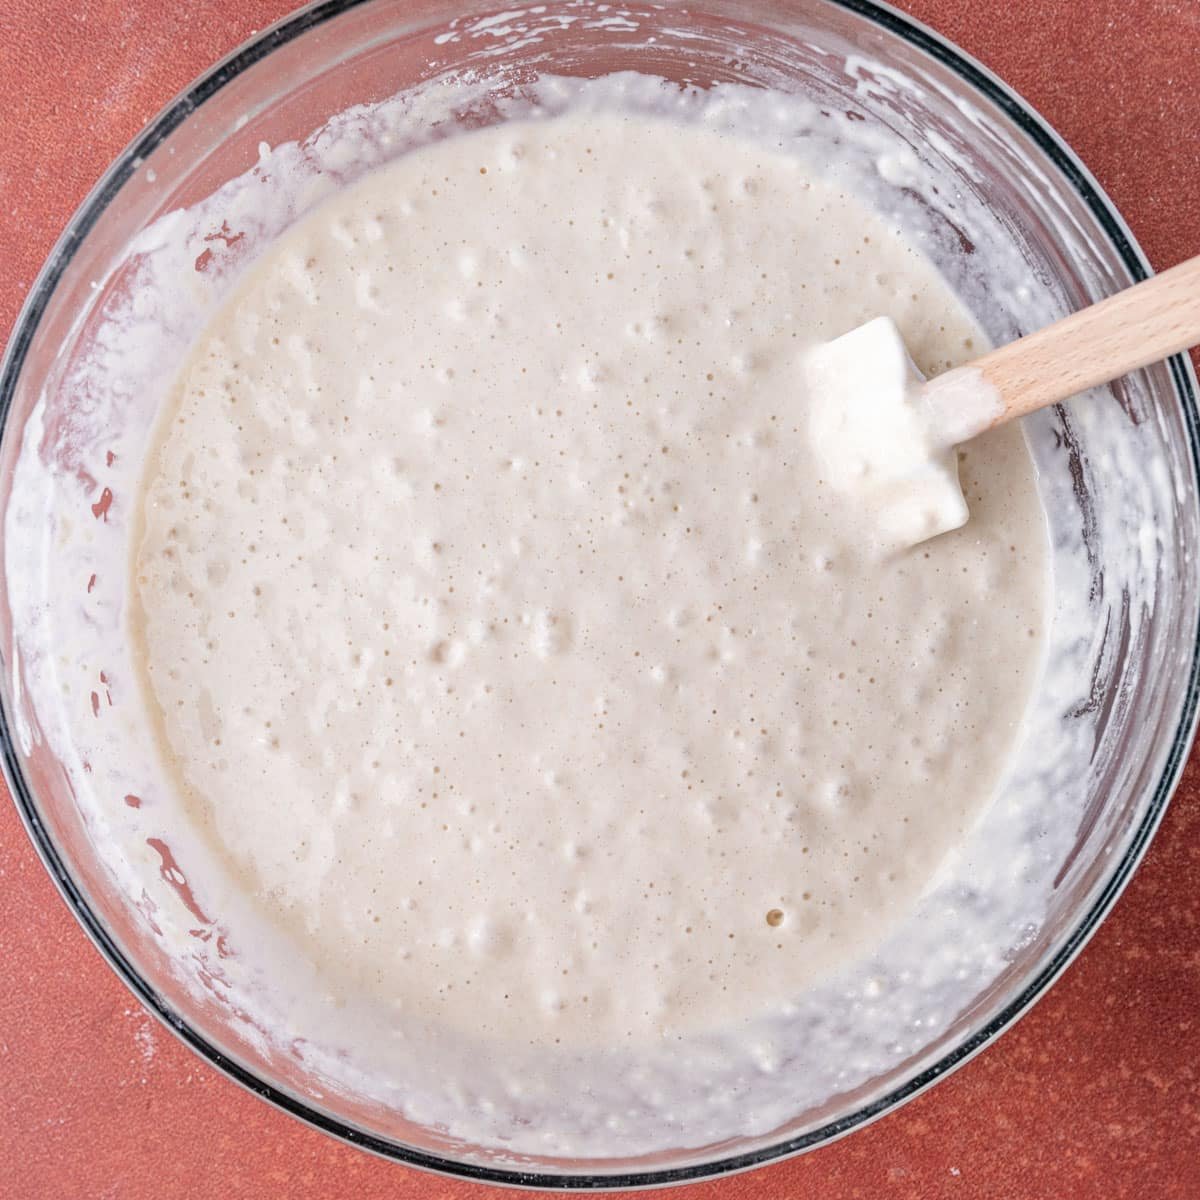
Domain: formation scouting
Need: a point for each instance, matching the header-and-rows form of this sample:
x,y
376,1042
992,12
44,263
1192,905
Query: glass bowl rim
x,y
1076,175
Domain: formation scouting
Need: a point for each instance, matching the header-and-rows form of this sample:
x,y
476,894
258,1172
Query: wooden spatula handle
x,y
1145,323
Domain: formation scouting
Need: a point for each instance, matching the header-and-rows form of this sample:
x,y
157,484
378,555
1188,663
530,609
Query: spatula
x,y
886,437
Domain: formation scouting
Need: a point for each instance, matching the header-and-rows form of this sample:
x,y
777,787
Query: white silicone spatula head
x,y
886,437
872,434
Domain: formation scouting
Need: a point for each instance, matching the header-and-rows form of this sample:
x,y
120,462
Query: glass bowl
x,y
1118,474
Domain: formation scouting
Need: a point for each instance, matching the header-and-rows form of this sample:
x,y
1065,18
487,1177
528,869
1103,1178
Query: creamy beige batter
x,y
501,629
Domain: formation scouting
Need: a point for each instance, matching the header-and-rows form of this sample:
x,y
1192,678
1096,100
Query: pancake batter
x,y
501,631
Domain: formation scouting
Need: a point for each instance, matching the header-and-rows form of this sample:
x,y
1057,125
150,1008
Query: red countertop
x,y
1096,1093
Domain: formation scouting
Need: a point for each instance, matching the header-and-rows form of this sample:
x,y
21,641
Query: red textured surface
x,y
1095,1094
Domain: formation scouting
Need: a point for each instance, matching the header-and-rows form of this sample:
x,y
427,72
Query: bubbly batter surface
x,y
500,627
